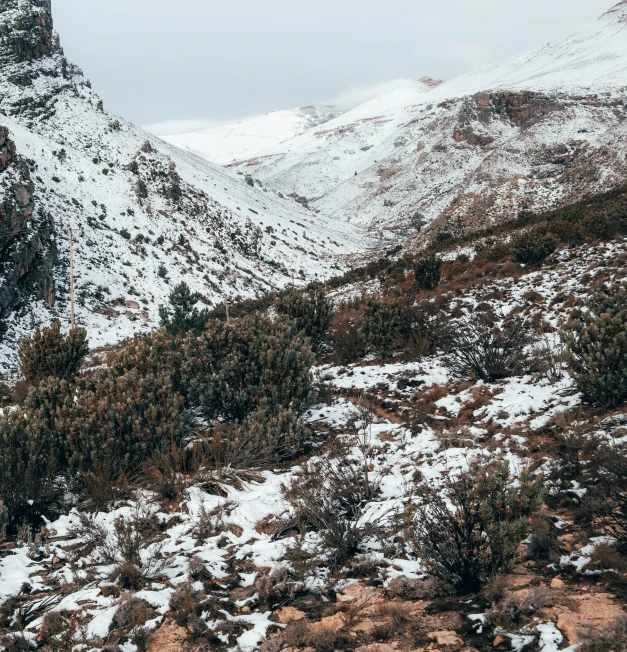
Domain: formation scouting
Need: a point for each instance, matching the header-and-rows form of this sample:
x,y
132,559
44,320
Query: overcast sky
x,y
203,60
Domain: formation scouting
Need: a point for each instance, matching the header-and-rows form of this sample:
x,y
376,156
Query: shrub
x,y
312,312
233,370
598,349
611,639
468,528
613,470
183,316
532,247
331,497
347,337
49,353
428,271
125,233
32,451
123,419
486,351
390,326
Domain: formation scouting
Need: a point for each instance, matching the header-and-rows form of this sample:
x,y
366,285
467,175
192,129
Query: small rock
x,y
498,641
446,638
377,647
556,583
358,594
55,560
334,623
289,615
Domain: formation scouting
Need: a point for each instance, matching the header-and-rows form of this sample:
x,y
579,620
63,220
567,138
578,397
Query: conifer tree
x,y
598,349
48,353
311,311
183,315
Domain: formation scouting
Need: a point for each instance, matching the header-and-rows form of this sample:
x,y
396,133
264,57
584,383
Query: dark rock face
x,y
27,247
32,61
28,34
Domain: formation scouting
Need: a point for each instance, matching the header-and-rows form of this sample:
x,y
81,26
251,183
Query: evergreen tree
x,y
183,315
311,311
48,353
428,271
598,349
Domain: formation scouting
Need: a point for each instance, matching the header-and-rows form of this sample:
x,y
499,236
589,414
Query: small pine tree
x,y
50,354
532,247
311,311
183,315
428,271
232,370
598,349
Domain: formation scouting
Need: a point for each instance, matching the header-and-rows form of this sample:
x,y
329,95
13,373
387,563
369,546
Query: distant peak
x,y
430,82
618,11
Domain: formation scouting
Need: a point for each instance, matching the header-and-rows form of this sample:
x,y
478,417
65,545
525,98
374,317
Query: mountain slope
x,y
145,214
540,129
250,137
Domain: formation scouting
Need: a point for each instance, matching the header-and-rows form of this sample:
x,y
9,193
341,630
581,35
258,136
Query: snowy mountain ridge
x,y
540,129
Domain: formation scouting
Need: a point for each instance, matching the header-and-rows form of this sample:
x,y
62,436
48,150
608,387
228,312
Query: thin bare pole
x,y
73,325
228,319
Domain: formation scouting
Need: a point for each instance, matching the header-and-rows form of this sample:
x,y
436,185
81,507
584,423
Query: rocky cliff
x,y
27,244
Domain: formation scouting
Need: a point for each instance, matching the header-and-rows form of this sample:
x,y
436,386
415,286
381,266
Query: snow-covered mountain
x,y
542,128
246,138
144,213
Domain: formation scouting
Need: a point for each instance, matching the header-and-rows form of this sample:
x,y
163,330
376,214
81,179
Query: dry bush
x,y
334,496
611,639
186,607
481,348
299,635
278,587
133,546
132,613
514,611
469,527
607,557
543,543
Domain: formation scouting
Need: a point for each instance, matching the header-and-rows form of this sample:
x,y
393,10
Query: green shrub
x,y
469,527
482,349
532,247
311,310
390,326
48,353
428,271
183,316
32,452
232,370
598,349
123,420
347,337
264,438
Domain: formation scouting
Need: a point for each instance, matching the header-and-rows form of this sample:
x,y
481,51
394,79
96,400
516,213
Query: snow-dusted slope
x,y
227,143
591,61
542,128
144,213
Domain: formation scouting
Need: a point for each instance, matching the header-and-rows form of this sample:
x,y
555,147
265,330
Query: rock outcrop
x,y
27,245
